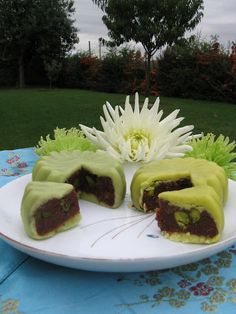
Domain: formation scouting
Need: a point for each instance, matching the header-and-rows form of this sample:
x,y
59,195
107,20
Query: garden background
x,y
193,69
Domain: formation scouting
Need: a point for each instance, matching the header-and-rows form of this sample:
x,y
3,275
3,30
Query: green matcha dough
x,y
48,208
191,190
173,174
96,176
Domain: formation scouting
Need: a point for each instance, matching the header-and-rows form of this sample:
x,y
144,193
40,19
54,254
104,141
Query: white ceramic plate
x,y
110,240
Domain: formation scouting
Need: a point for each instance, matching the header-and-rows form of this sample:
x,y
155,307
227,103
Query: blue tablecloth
x,y
31,286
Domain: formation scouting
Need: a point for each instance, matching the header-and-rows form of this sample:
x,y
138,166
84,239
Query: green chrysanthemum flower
x,y
72,139
220,150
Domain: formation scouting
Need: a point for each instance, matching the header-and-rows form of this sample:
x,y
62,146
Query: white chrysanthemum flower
x,y
139,134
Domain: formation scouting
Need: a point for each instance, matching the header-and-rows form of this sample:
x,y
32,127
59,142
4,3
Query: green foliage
x,y
190,46
122,71
197,69
53,68
101,3
81,70
38,27
151,23
71,139
220,150
119,71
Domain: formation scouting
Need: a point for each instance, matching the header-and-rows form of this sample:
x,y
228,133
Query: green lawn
x,y
27,114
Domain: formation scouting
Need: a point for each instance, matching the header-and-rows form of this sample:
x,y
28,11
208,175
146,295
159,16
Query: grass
x,y
30,113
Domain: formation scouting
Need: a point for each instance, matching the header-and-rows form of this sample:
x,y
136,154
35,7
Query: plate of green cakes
x,y
111,240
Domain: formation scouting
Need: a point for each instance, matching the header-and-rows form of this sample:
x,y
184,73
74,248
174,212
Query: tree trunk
x,y
148,70
21,69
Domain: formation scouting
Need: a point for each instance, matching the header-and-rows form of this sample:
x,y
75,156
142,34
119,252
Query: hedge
x,y
193,74
197,76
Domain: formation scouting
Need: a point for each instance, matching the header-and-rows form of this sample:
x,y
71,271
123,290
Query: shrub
x,y
200,71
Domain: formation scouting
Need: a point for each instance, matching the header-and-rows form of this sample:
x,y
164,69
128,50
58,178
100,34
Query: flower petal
x,y
139,134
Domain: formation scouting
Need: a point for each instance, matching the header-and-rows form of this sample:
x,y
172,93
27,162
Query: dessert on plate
x,y
191,215
96,176
187,194
48,208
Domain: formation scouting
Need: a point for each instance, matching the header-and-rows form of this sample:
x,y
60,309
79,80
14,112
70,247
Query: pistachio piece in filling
x,y
182,218
172,218
55,212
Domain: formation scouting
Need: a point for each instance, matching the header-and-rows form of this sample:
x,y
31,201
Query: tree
x,y
35,27
153,23
53,69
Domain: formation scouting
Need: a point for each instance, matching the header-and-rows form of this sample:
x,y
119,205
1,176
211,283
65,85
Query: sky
x,y
219,19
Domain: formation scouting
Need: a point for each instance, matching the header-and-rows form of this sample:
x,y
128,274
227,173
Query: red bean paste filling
x,y
151,199
55,212
205,226
100,186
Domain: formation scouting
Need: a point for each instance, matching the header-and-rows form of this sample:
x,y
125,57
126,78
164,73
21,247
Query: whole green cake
x,y
96,176
187,194
48,208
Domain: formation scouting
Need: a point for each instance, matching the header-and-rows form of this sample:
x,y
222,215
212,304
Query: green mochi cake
x,y
48,208
181,185
191,215
96,176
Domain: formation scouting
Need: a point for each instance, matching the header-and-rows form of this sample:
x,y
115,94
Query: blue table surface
x,y
28,285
